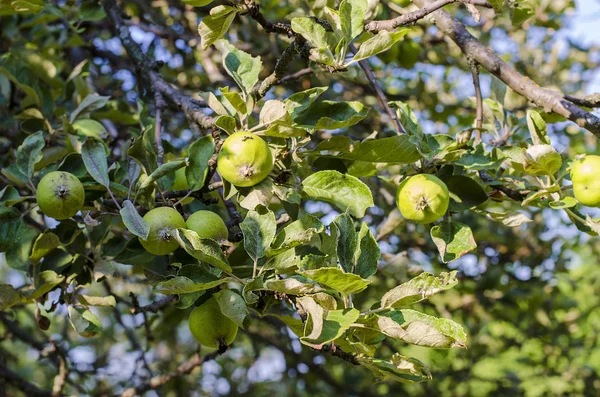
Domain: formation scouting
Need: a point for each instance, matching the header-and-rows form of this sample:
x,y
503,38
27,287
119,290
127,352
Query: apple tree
x,y
187,182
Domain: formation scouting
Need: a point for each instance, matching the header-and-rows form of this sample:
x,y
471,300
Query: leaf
x,y
346,241
329,115
133,220
298,102
17,257
259,229
566,202
481,159
203,249
94,157
272,110
379,43
344,191
296,233
89,104
419,288
542,160
133,254
21,74
232,305
9,196
406,117
352,18
312,31
11,228
521,11
236,100
100,301
198,3
453,240
260,194
323,326
292,286
226,123
367,253
510,219
464,192
537,128
216,25
9,297
179,285
399,368
29,153
163,171
43,245
90,128
421,329
243,67
335,278
394,150
45,282
199,153
21,6
84,322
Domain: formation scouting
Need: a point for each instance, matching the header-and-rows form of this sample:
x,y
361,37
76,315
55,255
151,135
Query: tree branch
x,y
547,99
412,17
589,101
280,69
28,388
155,306
160,380
478,99
147,66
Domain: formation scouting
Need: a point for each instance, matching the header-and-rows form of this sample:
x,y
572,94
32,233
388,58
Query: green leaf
x,y
419,288
542,160
164,170
89,104
453,240
260,194
133,220
292,286
329,115
298,102
84,322
367,253
203,249
337,279
44,244
464,192
9,196
352,18
179,285
481,159
346,241
406,117
324,326
100,301
20,73
259,229
8,7
566,202
421,329
394,150
216,25
226,123
133,254
199,153
90,128
243,67
537,128
296,233
94,157
314,33
236,100
272,111
29,153
510,219
18,256
45,282
521,11
198,3
11,228
232,305
398,368
379,43
344,191
9,297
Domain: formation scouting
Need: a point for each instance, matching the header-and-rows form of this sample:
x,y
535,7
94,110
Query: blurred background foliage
x,y
529,297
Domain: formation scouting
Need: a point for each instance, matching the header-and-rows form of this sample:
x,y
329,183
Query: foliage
x,y
319,268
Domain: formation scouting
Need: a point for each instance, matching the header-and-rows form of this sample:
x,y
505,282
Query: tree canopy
x,y
353,197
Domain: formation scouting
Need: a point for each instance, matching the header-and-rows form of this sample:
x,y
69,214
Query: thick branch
x,y
588,101
412,17
547,99
269,27
189,106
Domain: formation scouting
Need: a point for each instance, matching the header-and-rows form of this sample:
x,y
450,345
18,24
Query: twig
x,y
269,27
478,98
63,372
154,307
160,380
588,101
297,75
547,99
159,105
381,98
280,69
